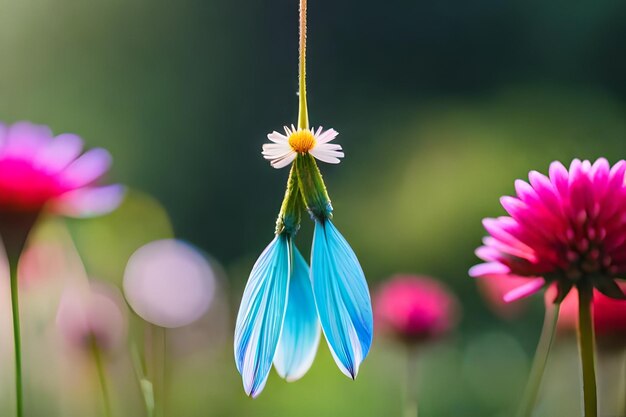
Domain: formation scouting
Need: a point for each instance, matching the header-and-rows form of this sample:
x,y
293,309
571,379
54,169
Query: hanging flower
x,y
568,228
285,147
415,308
284,303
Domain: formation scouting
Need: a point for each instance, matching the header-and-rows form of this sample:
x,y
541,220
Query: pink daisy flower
x,y
38,169
568,228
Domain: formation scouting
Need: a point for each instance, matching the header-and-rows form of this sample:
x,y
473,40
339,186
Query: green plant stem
x,y
410,390
17,337
623,385
586,347
144,383
104,388
546,339
156,352
303,113
163,385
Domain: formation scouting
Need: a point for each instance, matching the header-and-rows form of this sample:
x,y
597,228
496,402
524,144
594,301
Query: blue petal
x,y
342,298
301,331
261,315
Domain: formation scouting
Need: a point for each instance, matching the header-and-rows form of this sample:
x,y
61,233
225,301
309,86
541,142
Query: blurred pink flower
x,y
415,308
94,315
38,169
568,228
169,283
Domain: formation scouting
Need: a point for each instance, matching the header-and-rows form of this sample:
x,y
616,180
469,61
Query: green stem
x,y
17,338
288,220
163,378
312,187
303,113
145,385
586,346
97,357
156,355
546,339
410,391
623,385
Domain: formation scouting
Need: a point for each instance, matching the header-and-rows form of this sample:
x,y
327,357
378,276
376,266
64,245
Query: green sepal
x,y
563,288
312,187
608,286
288,220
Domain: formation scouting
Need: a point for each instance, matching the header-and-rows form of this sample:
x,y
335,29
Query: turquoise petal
x,y
261,315
301,331
342,298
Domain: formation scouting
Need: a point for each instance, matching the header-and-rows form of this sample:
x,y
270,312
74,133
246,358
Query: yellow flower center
x,y
302,141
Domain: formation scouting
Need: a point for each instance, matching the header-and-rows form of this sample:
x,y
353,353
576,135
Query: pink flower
x,y
568,228
37,169
415,308
93,316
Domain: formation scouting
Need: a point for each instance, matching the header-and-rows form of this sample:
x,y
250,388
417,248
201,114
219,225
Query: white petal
x,y
328,146
277,137
274,147
327,136
284,160
331,157
275,150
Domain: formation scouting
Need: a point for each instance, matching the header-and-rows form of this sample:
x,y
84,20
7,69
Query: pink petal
x,y
488,269
525,290
90,201
87,168
59,153
559,177
24,139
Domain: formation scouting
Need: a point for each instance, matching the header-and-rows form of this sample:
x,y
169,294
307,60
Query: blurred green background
x,y
439,105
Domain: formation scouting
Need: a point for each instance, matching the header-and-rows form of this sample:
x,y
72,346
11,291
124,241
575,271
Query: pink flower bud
x,y
415,308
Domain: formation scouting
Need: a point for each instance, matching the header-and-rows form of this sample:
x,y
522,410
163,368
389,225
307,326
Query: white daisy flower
x,y
284,148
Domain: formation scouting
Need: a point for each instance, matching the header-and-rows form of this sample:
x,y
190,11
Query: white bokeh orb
x,y
169,283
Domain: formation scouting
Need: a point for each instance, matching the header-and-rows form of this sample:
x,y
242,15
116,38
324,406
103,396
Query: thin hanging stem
x,y
303,113
106,400
546,339
586,347
410,390
17,338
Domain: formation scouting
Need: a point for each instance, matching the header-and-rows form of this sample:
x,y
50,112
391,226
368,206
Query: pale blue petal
x,y
261,315
342,298
301,331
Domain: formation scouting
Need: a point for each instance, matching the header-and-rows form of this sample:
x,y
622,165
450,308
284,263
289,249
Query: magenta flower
x,y
37,169
568,228
40,171
415,308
